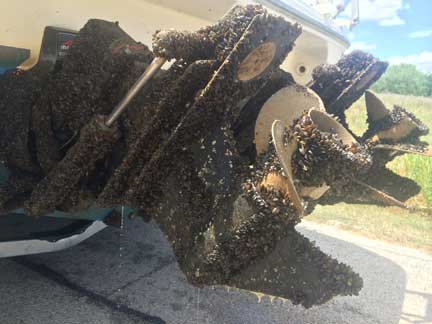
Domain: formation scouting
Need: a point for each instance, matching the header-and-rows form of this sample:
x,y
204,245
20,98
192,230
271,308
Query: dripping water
x,y
198,305
121,235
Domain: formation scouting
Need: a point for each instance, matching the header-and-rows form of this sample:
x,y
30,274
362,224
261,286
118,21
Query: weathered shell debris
x,y
184,152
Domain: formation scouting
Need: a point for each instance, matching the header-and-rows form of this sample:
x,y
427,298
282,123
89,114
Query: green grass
x,y
390,223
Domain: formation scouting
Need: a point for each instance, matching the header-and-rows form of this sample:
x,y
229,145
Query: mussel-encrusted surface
x,y
340,85
18,92
79,161
216,105
200,153
397,114
244,128
383,179
16,189
211,42
183,152
301,273
167,113
323,157
84,86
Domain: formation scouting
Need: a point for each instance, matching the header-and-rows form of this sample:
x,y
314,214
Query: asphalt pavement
x,y
132,277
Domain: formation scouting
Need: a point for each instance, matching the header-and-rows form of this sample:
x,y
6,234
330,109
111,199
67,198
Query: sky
x,y
398,31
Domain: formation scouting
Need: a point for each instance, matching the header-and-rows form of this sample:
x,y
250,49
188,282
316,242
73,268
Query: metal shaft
x,y
154,66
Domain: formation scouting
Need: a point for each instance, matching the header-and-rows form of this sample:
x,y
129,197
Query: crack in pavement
x,y
162,264
99,300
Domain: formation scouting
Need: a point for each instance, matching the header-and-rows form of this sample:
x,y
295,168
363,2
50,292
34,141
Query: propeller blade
x,y
285,154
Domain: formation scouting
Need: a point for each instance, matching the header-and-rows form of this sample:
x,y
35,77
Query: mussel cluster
x,y
322,156
184,152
